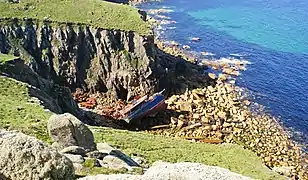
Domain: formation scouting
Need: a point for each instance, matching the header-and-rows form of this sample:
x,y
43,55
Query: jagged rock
x,y
66,130
74,150
25,157
75,158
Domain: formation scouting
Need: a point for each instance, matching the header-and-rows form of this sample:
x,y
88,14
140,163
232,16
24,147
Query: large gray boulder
x,y
25,157
177,171
190,171
66,130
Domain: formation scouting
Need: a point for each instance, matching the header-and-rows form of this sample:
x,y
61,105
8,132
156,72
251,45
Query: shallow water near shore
x,y
272,35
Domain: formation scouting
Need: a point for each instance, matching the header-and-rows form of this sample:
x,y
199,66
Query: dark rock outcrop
x,y
79,56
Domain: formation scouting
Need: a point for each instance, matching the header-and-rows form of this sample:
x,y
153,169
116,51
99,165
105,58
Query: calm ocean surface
x,y
271,34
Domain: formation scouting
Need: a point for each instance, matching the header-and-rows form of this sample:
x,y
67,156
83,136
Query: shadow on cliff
x,y
180,75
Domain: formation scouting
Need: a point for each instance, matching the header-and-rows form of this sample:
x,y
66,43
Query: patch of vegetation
x,y
17,112
6,57
154,148
92,12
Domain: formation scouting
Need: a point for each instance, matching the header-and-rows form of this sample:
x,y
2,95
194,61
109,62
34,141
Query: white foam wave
x,y
207,54
239,54
232,60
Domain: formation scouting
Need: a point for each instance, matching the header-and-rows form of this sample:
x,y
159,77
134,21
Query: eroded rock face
x,y
66,130
83,57
25,157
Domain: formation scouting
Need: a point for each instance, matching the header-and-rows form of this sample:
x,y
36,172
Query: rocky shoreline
x,y
221,112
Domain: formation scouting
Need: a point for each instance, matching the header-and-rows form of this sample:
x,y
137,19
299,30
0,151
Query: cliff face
x,y
79,56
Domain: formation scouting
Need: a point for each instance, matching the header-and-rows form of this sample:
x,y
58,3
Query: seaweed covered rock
x,y
24,157
66,130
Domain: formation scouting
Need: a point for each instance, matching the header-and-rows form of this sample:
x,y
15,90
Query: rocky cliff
x,y
80,56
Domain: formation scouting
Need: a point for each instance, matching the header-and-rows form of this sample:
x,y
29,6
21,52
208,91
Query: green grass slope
x,y
17,112
153,148
97,13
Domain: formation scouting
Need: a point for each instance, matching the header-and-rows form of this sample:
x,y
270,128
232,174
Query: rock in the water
x,y
25,157
66,130
74,150
75,158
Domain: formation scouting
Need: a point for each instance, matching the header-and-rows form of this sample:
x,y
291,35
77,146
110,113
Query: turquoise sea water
x,y
271,34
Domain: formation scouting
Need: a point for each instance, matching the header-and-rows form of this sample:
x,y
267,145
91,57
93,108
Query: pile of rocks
x,y
219,112
75,141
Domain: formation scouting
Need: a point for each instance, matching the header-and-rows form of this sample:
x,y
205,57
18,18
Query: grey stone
x,y
113,177
25,157
75,158
139,160
128,160
74,150
284,170
118,160
79,168
189,171
112,162
66,130
104,148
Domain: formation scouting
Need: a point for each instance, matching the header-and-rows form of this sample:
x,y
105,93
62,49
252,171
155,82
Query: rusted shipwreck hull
x,y
143,107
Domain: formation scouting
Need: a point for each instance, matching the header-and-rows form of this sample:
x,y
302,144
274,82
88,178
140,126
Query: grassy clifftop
x,y
97,13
